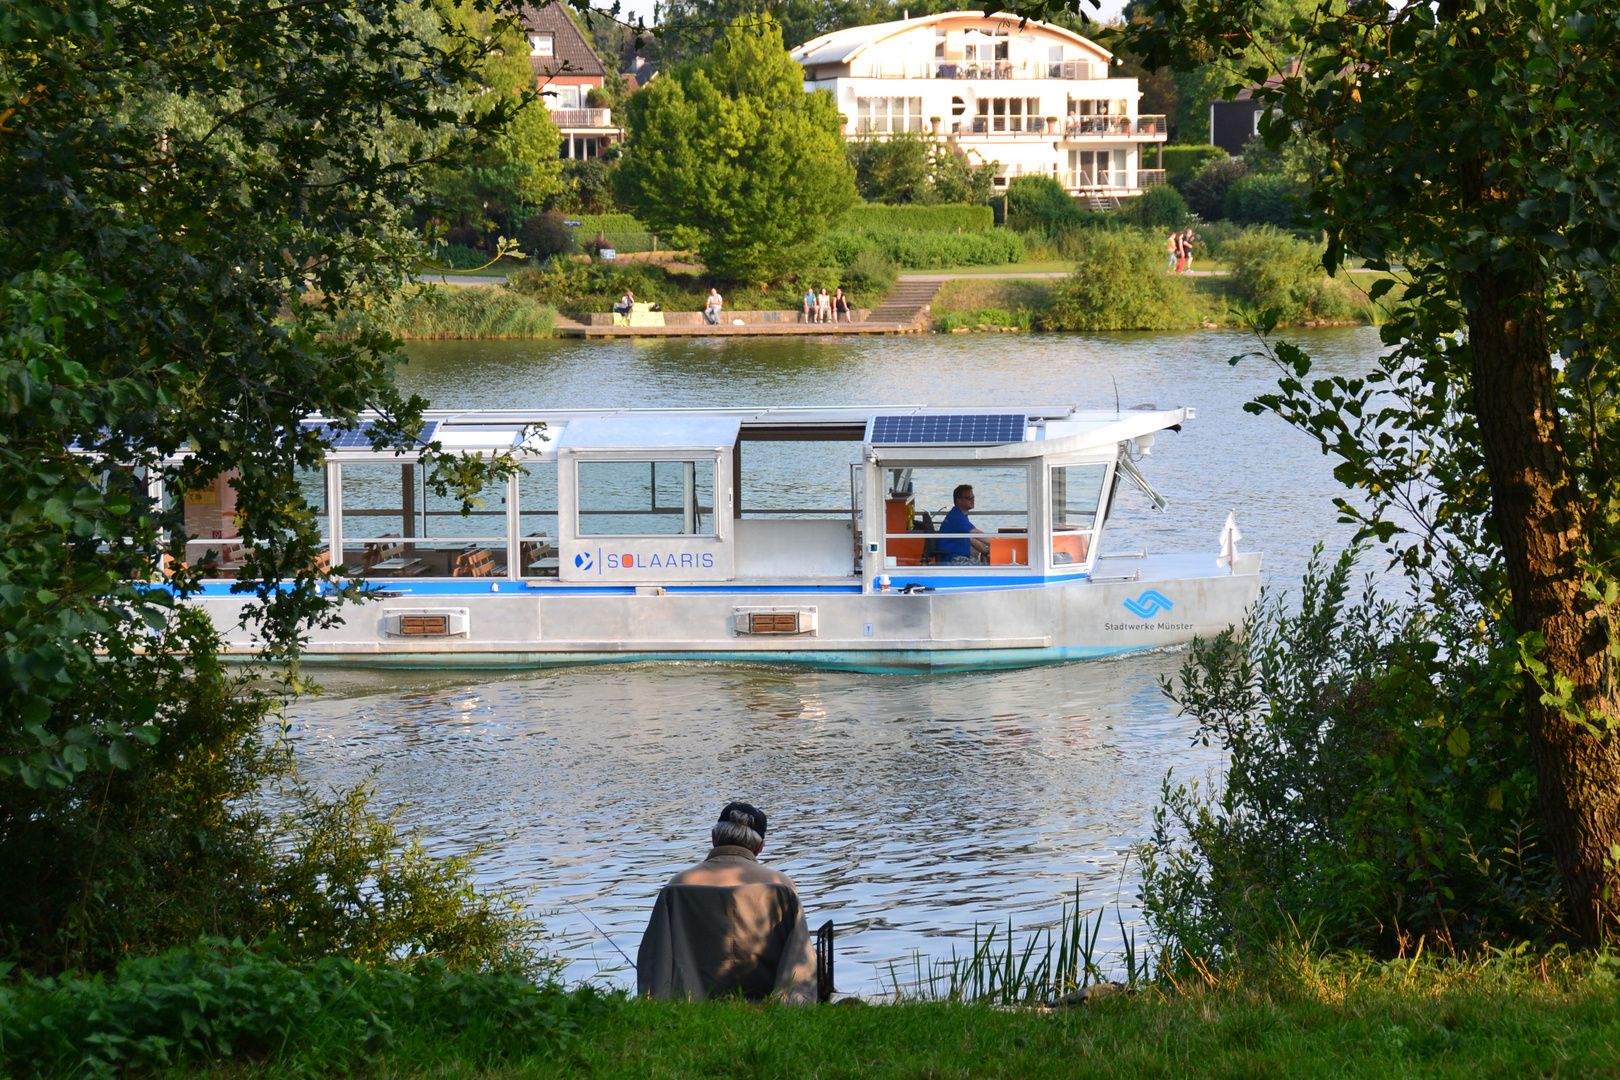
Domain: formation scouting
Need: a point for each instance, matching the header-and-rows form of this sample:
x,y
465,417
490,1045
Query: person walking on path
x,y
711,310
841,306
1172,249
1186,250
729,925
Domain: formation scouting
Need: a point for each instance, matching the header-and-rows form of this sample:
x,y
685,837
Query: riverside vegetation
x,y
1409,868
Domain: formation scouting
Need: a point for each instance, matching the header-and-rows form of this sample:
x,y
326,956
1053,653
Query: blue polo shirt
x,y
955,522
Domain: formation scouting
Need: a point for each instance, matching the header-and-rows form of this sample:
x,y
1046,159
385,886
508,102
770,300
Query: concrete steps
x,y
907,303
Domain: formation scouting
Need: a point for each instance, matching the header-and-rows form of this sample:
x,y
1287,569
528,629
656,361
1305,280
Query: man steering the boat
x,y
729,925
960,550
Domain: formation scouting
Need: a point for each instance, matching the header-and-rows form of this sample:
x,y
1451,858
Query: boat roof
x,y
982,431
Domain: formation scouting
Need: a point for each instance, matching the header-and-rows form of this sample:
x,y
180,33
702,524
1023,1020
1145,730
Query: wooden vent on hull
x,y
774,621
426,622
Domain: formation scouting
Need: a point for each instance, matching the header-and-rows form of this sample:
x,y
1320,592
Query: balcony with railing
x,y
1009,69
582,118
1149,177
1136,127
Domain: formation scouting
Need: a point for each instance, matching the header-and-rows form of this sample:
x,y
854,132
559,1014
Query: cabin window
x,y
1076,496
918,500
646,498
395,525
537,519
542,45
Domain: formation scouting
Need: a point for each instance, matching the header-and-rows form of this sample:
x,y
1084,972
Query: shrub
x,y
1040,204
986,317
1263,200
545,235
1119,283
1183,163
456,256
870,274
1206,192
1276,271
198,1004
928,250
943,217
1375,794
1214,235
592,224
1159,207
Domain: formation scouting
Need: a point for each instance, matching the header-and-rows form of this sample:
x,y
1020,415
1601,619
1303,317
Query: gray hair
x,y
736,831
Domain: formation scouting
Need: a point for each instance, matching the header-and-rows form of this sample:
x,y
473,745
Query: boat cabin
x,y
848,499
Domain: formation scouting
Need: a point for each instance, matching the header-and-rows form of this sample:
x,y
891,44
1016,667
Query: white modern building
x,y
1033,97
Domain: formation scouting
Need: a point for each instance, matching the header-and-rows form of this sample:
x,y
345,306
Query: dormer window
x,y
542,45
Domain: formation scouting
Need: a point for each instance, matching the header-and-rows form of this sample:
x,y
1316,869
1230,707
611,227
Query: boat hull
x,y
1140,604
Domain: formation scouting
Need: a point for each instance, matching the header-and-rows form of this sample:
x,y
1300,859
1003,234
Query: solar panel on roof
x,y
359,437
951,429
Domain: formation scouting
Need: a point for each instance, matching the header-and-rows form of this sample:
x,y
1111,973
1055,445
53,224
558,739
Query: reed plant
x,y
465,312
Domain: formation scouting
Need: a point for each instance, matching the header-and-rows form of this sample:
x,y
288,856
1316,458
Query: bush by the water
x,y
1119,283
913,217
475,311
987,318
1376,795
870,274
1279,272
1158,207
200,1005
928,250
1266,199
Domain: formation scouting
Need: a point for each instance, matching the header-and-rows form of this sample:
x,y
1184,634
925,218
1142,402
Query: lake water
x,y
907,808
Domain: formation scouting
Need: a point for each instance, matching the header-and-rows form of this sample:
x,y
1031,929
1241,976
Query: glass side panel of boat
x,y
883,538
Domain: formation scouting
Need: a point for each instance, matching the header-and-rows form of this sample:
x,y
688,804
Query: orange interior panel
x,y
896,520
1075,544
1009,551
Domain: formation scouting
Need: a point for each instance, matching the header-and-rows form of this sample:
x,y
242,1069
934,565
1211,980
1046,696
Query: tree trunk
x,y
1534,504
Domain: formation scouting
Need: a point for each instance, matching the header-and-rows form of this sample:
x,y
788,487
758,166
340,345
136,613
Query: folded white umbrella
x,y
1230,535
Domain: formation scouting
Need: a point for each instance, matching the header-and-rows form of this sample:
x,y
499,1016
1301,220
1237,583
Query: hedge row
x,y
945,217
1186,162
928,250
595,223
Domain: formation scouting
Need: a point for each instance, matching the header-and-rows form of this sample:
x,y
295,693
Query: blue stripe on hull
x,y
869,661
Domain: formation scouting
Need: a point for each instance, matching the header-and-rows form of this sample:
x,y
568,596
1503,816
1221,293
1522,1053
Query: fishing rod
x,y
599,930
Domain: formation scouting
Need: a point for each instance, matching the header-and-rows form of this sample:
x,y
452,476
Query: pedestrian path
x,y
909,300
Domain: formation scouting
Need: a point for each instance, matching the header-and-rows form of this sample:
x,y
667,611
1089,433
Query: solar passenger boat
x,y
800,535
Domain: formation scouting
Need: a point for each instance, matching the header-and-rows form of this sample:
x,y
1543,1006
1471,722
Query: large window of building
x,y
1009,114
886,115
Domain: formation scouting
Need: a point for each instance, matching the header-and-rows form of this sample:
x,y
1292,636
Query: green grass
x,y
218,1010
1208,1034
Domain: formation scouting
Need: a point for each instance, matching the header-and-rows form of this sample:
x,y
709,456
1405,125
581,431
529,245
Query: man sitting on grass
x,y
729,925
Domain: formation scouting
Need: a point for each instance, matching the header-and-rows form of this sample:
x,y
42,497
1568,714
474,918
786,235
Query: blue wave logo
x,y
1148,604
583,561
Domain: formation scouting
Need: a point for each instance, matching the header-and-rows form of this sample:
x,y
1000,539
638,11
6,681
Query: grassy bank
x,y
1219,1033
218,1010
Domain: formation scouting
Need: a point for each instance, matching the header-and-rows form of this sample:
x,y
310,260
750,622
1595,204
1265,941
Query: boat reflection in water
x,y
636,535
